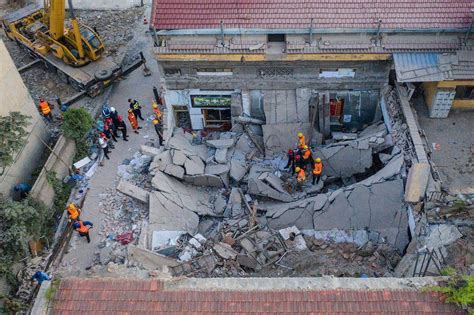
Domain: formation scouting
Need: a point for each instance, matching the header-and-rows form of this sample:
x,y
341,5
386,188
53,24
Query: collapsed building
x,y
239,90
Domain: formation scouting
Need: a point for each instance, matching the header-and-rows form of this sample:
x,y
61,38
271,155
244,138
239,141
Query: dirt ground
x,y
452,145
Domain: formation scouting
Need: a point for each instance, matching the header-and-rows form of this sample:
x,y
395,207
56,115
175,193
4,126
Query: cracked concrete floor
x,y
455,156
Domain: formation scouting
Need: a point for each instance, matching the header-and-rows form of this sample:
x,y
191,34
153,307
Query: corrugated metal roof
x,y
418,67
429,67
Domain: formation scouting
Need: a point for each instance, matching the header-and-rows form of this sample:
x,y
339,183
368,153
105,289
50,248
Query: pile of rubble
x,y
114,27
217,207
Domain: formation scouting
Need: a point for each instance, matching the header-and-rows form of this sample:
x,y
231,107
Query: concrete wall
x,y
42,190
15,97
369,75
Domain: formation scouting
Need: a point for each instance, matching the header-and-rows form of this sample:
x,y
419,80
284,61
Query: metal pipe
x,y
378,30
222,33
237,31
466,37
311,32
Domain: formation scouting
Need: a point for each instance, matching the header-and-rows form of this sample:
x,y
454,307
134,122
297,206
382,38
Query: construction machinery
x,y
74,52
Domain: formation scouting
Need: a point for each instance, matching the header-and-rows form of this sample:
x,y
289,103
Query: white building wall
x,y
15,97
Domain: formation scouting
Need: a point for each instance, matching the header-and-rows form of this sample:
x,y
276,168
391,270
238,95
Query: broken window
x,y
172,72
216,118
464,92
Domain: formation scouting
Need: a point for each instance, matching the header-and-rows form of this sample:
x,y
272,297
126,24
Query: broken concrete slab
x,y
194,166
335,215
260,188
204,180
188,197
161,160
148,259
238,169
221,155
225,251
167,216
293,237
376,208
221,143
385,158
319,202
219,205
178,157
133,191
151,151
217,169
337,135
417,182
344,161
392,169
274,181
235,203
174,170
442,235
164,239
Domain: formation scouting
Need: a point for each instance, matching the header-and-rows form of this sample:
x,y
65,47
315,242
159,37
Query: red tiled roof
x,y
290,14
106,296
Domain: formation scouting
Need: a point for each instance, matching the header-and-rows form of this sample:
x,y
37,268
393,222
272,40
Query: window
x,y
214,71
464,92
211,101
172,72
276,38
274,71
337,73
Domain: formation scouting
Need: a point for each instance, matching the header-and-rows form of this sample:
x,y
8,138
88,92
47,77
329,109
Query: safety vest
x,y
82,228
135,105
44,106
73,211
306,154
318,168
301,176
301,142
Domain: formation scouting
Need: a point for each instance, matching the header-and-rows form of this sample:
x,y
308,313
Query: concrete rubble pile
x,y
350,157
218,207
374,204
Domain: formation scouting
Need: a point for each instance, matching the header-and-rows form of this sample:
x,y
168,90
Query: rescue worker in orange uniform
x,y
317,169
73,211
301,141
133,121
45,109
300,178
83,227
306,157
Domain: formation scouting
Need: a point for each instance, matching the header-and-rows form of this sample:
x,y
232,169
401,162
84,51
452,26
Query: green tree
x,y
12,137
77,124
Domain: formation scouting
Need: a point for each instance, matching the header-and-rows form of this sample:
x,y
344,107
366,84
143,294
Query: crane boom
x,y
56,18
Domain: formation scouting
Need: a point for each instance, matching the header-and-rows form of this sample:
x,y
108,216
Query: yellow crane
x,y
74,52
43,30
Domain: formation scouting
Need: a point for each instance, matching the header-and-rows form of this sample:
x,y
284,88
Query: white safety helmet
x,y
112,109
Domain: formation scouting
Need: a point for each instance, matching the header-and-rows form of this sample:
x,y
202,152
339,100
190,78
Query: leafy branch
x,y
12,137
